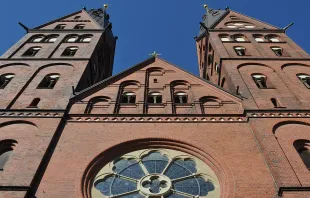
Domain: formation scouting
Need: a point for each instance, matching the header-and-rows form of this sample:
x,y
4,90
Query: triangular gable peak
x,y
235,20
81,17
155,87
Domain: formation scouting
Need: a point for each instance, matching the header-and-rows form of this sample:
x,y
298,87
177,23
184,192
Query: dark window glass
x,y
240,51
302,147
34,103
79,27
49,81
277,50
60,27
6,149
5,79
128,97
70,51
32,51
154,98
305,79
180,97
260,80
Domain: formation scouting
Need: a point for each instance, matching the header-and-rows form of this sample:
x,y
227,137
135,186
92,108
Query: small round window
x,y
156,173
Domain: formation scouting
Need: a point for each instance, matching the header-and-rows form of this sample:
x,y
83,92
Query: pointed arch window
x,y
128,97
224,37
70,51
303,149
154,98
34,103
305,79
273,38
238,38
6,150
60,26
32,51
180,97
260,80
79,26
49,81
5,79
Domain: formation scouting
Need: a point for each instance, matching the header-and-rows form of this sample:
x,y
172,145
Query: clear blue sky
x,y
167,26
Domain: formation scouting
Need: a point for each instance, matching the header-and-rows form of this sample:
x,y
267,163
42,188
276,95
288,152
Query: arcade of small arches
x,y
69,51
179,94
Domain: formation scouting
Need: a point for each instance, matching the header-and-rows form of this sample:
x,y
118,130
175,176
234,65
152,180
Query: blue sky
x,y
167,26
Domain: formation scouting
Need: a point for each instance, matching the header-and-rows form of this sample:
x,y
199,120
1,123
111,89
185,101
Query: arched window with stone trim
x,y
180,97
6,150
303,149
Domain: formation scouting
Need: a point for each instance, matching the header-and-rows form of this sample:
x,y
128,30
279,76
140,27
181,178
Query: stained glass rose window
x,y
156,173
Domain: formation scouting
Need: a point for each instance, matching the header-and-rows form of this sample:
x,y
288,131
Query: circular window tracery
x,y
156,173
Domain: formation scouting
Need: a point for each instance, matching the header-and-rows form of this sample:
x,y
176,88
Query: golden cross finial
x,y
105,6
154,54
205,6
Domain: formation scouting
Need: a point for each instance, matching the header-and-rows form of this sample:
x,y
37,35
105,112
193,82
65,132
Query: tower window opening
x,y
238,38
37,39
260,80
85,39
303,149
224,38
217,68
305,79
240,51
275,102
32,51
154,98
155,80
277,50
49,81
71,39
6,150
273,38
34,103
77,17
180,97
70,51
60,26
79,27
259,39
5,79
128,97
51,39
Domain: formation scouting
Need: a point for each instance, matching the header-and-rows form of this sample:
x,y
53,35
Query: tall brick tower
x,y
271,73
38,75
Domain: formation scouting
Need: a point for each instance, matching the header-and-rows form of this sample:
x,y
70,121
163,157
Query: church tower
x,y
254,59
38,76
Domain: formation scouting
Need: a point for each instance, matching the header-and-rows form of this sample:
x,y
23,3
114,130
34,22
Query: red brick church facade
x,y
70,129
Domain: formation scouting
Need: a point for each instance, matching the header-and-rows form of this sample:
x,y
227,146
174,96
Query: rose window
x,y
156,173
